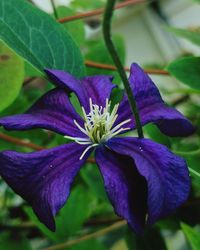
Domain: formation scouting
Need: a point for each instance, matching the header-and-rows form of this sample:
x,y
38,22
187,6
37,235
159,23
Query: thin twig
x,y
102,221
28,80
98,11
92,64
30,145
20,142
96,234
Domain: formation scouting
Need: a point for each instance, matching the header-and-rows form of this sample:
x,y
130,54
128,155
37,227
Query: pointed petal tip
x,y
136,66
51,226
180,127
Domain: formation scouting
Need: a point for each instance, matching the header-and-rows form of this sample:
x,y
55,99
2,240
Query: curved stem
x,y
187,153
111,48
88,236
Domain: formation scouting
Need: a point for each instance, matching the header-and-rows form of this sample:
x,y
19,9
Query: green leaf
x,y
39,39
85,245
99,53
75,29
198,1
92,177
76,211
11,77
187,70
70,219
18,242
31,71
191,35
88,4
192,236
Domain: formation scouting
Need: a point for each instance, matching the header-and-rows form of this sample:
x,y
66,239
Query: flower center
x,y
98,125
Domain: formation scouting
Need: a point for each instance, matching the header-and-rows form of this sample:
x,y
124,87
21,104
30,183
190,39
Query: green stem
x,y
194,172
111,48
54,9
187,153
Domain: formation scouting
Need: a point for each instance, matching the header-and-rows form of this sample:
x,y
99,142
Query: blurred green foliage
x,y
88,209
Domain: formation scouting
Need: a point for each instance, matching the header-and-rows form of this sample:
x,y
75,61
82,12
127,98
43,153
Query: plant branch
x,y
20,142
98,11
92,64
111,48
30,145
96,234
29,80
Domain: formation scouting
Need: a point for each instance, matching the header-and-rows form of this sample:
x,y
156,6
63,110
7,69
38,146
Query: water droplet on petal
x,y
50,166
140,148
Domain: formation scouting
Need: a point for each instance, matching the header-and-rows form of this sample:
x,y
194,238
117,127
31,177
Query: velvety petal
x,y
166,174
68,82
43,178
126,188
98,88
151,107
53,111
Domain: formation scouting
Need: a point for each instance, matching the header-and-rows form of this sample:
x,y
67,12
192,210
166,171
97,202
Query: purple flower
x,y
143,179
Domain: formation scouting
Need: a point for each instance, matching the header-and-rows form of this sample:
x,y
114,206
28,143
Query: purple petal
x,y
53,111
98,88
43,178
126,188
151,107
68,82
166,174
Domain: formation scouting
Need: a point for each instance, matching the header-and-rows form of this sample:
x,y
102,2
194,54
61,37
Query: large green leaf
x,y
11,76
192,235
39,39
187,70
191,35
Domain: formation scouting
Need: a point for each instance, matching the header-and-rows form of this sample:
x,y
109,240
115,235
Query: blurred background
x,y
141,34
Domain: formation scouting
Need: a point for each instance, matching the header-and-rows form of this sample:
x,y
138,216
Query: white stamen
x,y
98,125
81,129
85,151
76,138
119,125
